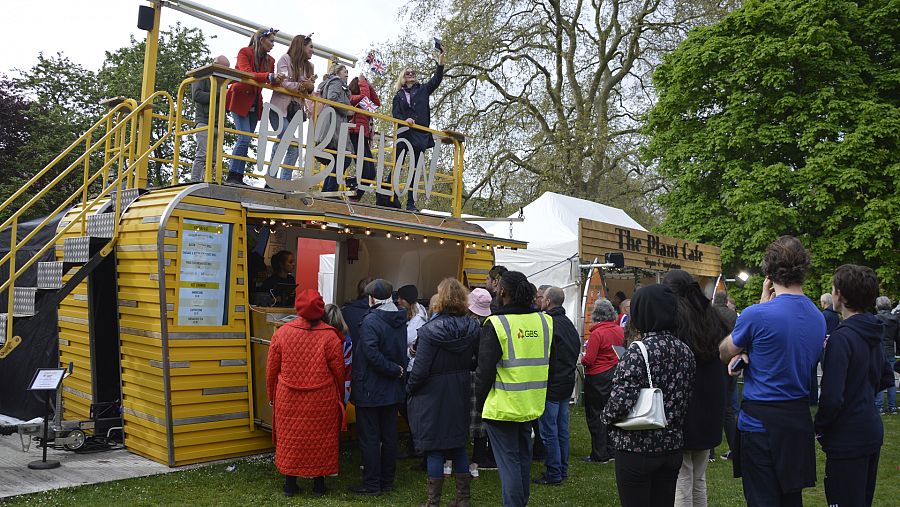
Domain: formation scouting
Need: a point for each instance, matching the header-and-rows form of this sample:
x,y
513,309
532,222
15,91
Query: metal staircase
x,y
114,140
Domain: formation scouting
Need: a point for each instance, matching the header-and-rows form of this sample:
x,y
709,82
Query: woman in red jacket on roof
x,y
245,100
363,96
305,384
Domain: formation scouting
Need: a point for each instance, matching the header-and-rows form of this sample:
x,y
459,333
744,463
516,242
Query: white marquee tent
x,y
551,230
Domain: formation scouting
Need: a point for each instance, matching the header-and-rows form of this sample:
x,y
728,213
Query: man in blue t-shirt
x,y
779,340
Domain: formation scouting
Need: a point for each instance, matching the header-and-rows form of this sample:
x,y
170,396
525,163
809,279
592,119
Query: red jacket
x,y
242,96
305,383
599,355
359,119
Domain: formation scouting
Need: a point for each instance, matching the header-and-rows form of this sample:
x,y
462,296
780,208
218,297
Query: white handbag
x,y
649,412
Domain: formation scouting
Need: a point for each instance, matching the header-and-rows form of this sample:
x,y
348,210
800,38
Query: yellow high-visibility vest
x,y
520,387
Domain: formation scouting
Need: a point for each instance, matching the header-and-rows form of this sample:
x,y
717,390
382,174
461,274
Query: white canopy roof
x,y
551,230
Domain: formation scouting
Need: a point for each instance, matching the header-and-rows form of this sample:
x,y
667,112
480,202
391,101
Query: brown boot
x,y
434,487
463,490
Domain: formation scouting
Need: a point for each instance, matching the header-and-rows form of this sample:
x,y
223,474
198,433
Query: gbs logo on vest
x,y
527,333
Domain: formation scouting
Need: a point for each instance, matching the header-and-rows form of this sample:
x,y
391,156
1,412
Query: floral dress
x,y
672,366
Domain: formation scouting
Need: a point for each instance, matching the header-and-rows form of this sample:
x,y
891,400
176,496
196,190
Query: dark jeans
x,y
732,407
384,200
761,486
330,184
555,434
511,442
435,461
369,171
851,482
242,142
377,428
647,480
596,394
481,451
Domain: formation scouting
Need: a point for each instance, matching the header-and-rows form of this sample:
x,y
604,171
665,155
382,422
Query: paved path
x,y
76,470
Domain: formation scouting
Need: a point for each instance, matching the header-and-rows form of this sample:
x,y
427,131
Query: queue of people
x,y
294,71
484,374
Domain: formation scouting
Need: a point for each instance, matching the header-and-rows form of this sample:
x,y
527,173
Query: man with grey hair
x,y
832,319
200,92
600,360
890,337
554,423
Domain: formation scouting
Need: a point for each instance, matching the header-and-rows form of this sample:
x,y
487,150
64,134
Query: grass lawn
x,y
256,482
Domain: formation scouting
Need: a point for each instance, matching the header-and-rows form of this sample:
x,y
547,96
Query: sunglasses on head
x,y
270,31
307,39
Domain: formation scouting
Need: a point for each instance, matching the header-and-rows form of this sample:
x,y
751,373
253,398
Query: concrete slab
x,y
76,470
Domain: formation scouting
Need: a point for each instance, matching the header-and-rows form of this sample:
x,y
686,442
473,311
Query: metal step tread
x,y
50,275
24,299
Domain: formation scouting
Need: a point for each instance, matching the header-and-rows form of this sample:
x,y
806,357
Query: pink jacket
x,y
282,99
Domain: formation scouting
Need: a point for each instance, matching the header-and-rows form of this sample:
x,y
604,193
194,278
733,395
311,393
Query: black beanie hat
x,y
653,308
408,293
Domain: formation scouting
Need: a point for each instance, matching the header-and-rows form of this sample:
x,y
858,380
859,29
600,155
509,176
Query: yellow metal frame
x,y
221,77
119,128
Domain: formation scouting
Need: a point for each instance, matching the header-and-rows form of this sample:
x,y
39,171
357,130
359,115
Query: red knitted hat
x,y
309,304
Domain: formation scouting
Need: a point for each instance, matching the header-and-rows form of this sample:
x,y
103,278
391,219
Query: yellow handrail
x,y
120,138
221,77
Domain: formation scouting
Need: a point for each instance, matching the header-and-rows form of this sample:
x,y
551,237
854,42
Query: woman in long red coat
x,y
305,383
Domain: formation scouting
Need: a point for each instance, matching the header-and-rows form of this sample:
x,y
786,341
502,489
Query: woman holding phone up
x,y
411,104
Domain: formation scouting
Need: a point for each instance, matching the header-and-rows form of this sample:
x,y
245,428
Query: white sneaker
x,y
448,468
473,470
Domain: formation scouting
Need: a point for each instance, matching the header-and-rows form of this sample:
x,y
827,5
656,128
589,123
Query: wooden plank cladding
x,y
647,250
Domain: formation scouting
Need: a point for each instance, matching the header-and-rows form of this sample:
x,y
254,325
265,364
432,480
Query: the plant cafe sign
x,y
647,250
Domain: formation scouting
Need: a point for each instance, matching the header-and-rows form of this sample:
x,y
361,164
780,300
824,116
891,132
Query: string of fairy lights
x,y
344,229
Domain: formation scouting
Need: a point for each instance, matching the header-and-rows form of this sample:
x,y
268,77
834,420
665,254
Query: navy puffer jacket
x,y
379,358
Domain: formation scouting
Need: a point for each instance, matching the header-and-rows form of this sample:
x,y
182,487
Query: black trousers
x,y
377,428
383,200
647,480
851,482
596,394
369,171
761,486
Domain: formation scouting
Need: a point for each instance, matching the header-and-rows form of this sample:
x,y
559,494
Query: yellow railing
x,y
447,179
112,139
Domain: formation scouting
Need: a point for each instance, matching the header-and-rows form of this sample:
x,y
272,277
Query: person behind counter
x,y
305,385
282,284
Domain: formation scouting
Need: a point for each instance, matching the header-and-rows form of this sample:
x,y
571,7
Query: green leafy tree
x,y
180,49
783,119
62,103
551,92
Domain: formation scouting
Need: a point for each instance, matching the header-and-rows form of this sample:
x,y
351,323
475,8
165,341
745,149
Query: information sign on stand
x,y
46,379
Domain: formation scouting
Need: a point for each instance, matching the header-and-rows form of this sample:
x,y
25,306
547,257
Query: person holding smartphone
x,y
779,339
411,104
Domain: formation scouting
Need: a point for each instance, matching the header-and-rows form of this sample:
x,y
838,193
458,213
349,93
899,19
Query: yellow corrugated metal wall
x,y
209,371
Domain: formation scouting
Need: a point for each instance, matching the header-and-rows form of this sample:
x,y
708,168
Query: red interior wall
x,y
308,251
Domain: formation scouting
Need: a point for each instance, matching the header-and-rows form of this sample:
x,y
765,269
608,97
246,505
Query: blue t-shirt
x,y
784,338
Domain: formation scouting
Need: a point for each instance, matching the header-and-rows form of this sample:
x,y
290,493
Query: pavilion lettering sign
x,y
317,139
646,250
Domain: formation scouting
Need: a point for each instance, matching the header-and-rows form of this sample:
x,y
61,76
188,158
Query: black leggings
x,y
647,480
851,482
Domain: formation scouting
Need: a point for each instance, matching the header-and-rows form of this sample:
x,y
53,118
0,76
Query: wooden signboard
x,y
646,250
